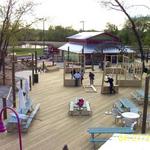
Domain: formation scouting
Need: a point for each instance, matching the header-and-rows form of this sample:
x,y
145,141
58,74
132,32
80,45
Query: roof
x,y
90,48
84,35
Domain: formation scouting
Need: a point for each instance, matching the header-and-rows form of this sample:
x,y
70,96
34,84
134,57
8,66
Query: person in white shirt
x,y
77,77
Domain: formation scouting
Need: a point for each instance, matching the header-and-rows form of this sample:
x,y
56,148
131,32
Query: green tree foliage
x,y
111,28
54,33
143,27
59,33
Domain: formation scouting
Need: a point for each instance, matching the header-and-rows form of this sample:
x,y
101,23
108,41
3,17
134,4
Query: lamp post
x,y
3,128
43,38
13,79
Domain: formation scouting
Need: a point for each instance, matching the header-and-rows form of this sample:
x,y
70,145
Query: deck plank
x,y
53,127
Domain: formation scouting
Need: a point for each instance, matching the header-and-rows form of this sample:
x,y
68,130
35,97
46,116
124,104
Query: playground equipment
x,y
132,76
125,74
114,72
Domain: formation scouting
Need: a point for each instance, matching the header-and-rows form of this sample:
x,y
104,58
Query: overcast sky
x,y
72,12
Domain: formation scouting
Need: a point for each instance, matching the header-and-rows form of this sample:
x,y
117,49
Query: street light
x,y
3,128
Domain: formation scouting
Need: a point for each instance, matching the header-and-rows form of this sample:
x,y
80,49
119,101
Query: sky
x,y
72,12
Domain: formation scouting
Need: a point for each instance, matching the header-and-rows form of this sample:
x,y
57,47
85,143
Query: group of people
x,y
79,76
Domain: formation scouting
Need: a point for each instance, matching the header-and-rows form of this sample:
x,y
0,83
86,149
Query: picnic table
x,y
107,130
75,110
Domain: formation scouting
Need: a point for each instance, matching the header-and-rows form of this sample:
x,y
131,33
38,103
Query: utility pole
x,y
43,33
82,24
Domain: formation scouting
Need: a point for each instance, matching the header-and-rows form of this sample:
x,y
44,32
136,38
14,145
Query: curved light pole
x,y
3,128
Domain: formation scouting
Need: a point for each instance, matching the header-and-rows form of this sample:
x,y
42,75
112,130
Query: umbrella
x,y
21,101
27,88
28,102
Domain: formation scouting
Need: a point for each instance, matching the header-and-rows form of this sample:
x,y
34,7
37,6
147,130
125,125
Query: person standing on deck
x,y
91,77
110,80
77,77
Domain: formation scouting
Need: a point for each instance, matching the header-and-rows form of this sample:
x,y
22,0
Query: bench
x,y
30,118
129,105
108,130
98,140
118,105
25,122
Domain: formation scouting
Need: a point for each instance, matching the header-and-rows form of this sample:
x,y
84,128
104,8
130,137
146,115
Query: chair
x,y
116,115
129,123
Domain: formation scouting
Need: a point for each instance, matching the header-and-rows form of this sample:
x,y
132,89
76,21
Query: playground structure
x,y
68,68
125,74
105,87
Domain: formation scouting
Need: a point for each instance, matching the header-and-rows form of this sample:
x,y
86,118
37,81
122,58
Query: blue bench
x,y
25,120
129,105
98,140
30,118
109,130
118,105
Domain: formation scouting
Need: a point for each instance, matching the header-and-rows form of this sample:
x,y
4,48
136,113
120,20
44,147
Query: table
x,y
126,141
130,115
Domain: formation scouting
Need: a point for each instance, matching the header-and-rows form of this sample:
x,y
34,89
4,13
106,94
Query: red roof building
x,y
94,45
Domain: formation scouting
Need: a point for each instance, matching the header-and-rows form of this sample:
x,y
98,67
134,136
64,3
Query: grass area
x,y
27,51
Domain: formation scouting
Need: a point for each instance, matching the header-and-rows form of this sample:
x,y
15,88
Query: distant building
x,y
95,46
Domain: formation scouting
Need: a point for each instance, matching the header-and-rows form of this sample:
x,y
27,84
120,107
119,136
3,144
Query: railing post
x,y
32,69
21,83
145,104
30,83
43,66
4,105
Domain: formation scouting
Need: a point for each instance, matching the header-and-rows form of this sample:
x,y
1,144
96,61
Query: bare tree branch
x,y
115,6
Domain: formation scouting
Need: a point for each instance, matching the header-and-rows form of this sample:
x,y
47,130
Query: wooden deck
x,y
53,127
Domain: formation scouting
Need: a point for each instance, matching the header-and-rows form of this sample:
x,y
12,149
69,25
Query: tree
x,y
111,28
11,16
119,5
59,33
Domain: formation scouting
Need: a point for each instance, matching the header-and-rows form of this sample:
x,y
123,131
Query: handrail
x,y
9,93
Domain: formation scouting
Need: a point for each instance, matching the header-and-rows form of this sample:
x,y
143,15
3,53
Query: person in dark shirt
x,y
91,77
110,80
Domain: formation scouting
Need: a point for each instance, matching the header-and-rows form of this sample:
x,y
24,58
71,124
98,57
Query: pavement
x,y
4,90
